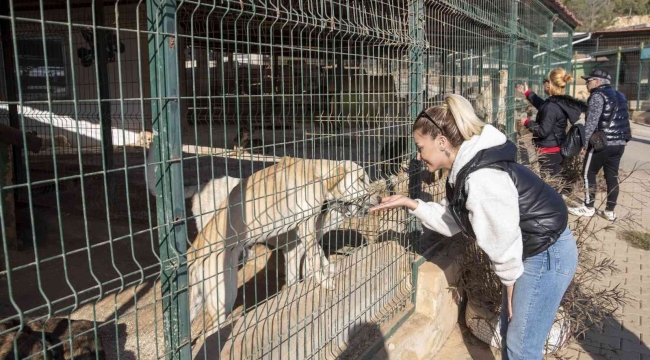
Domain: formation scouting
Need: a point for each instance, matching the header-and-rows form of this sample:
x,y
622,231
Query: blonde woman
x,y
519,221
553,115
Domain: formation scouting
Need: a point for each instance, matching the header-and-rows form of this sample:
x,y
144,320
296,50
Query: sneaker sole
x,y
581,215
602,215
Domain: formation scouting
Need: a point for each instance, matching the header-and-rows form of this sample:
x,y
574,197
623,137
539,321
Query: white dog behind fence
x,y
343,183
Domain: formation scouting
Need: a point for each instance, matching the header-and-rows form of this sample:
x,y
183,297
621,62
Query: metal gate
x,y
116,100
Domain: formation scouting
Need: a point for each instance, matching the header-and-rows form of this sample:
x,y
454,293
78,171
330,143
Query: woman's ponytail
x,y
455,120
467,122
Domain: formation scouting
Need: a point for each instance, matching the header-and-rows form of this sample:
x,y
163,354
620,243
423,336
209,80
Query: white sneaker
x,y
609,215
582,211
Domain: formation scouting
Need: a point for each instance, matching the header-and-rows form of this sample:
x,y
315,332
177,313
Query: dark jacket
x,y
614,121
553,115
543,213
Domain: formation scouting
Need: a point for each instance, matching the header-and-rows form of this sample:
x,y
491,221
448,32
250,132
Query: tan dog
x,y
273,201
46,141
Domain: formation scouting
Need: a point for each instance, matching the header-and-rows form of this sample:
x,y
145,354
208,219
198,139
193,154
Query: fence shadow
x,y
369,340
615,341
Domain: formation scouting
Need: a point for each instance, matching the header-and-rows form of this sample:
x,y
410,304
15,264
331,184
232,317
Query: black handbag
x,y
574,141
598,141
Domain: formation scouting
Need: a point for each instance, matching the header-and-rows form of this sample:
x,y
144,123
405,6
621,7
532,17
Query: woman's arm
x,y
436,217
596,103
534,99
493,204
542,127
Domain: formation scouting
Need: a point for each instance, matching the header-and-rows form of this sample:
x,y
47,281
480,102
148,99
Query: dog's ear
x,y
343,169
331,172
335,177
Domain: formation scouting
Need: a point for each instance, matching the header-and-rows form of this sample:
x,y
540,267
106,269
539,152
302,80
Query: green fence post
x,y
11,89
170,203
10,156
426,76
105,119
638,87
618,66
500,57
416,33
462,73
512,67
8,213
480,71
549,39
575,72
416,29
494,83
453,72
443,73
648,87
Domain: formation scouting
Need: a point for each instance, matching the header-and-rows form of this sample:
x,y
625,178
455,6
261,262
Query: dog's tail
x,y
151,177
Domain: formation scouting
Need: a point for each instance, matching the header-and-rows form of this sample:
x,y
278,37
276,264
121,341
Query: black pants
x,y
551,164
609,159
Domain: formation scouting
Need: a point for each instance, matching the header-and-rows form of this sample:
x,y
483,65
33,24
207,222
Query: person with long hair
x,y
517,219
553,115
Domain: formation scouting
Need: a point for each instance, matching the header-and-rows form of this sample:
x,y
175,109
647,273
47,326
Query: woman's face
x,y
429,151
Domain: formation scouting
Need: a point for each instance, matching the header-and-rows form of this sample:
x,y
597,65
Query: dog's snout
x,y
374,200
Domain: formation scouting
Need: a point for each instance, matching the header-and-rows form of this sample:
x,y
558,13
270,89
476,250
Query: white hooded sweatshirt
x,y
493,205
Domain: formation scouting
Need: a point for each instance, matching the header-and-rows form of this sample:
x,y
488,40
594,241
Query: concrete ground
x,y
627,334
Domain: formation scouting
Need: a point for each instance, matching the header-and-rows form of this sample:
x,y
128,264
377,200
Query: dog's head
x,y
347,188
146,138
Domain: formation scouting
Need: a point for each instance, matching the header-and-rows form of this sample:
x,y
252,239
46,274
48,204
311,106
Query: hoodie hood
x,y
571,106
490,137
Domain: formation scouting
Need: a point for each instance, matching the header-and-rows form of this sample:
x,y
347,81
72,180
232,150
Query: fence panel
x,y
203,169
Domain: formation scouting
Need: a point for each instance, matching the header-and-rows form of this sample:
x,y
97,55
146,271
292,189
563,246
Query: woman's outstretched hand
x,y
395,201
522,88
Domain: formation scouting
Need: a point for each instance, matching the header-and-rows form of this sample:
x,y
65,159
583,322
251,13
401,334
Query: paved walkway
x,y
627,335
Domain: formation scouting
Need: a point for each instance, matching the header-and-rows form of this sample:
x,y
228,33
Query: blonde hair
x,y
558,80
454,120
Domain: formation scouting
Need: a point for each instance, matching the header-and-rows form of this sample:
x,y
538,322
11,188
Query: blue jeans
x,y
536,299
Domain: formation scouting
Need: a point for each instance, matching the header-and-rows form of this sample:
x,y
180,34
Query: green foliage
x,y
598,14
637,239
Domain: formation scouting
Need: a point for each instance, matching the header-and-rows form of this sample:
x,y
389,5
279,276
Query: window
x,y
33,76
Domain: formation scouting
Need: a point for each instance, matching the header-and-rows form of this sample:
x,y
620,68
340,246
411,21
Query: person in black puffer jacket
x,y
608,116
553,116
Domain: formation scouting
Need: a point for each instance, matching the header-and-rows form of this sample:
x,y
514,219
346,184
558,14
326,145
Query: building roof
x,y
633,29
563,12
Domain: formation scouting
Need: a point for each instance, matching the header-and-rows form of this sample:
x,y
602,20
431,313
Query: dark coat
x,y
553,116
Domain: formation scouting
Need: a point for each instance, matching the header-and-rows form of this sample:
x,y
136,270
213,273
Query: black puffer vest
x,y
542,212
614,121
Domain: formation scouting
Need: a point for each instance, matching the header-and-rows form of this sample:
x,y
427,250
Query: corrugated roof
x,y
563,12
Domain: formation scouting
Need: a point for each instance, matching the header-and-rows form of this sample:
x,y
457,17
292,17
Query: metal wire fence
x,y
620,53
263,130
